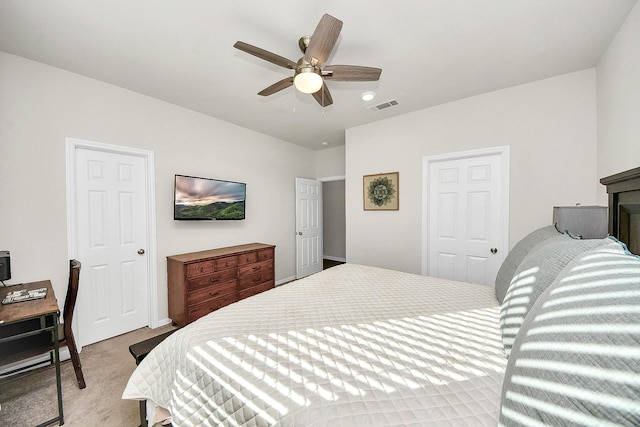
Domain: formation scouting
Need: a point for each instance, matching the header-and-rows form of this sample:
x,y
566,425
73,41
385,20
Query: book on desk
x,y
24,295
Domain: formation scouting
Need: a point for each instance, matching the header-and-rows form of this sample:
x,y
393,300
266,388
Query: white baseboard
x,y
64,355
161,323
334,258
285,280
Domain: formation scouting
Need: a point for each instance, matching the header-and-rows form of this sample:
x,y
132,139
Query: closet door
x,y
466,231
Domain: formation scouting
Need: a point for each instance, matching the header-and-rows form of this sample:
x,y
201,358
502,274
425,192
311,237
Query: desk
x,y
25,331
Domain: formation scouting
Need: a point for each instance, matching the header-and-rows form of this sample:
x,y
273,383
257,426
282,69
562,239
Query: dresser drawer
x,y
199,310
247,258
226,262
245,293
211,279
265,254
261,276
198,268
201,295
254,268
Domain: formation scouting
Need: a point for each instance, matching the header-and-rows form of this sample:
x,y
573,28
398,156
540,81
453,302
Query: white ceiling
x,y
430,51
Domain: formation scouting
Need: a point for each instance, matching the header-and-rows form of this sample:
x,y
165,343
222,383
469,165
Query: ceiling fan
x,y
310,73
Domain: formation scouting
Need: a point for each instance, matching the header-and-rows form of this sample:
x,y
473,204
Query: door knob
x,y
140,251
494,250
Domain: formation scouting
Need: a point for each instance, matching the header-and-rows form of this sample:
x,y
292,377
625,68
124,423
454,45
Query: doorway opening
x,y
334,220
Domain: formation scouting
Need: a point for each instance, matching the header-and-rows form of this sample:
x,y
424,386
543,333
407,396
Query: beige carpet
x,y
30,399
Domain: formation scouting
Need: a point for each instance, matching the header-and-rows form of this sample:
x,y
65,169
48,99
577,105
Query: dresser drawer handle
x,y
213,294
215,279
201,269
257,279
257,268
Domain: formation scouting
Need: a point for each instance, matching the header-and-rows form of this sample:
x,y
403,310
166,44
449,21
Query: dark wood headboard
x,y
624,207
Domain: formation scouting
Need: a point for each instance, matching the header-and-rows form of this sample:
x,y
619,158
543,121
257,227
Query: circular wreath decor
x,y
381,191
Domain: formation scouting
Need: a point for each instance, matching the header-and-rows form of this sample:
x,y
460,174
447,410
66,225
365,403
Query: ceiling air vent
x,y
384,105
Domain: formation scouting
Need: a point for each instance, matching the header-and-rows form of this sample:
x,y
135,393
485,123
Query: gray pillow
x,y
577,359
535,273
517,254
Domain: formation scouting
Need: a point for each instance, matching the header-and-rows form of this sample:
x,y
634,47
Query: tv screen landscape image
x,y
208,199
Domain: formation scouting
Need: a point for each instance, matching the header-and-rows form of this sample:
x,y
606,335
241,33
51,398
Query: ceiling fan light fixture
x,y
307,80
310,71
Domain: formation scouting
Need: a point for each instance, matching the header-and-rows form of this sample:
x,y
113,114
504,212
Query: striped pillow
x,y
536,272
517,254
577,359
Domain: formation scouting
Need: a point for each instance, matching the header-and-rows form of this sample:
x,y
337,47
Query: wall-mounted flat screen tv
x,y
208,199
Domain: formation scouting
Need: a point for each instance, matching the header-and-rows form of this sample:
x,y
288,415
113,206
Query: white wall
x,y
330,162
41,105
619,102
550,126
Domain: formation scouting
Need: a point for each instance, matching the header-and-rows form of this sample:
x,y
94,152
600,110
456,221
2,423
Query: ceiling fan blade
x,y
277,86
323,40
351,73
323,96
266,55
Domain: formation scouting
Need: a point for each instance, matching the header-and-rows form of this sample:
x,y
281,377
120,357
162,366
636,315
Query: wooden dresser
x,y
202,282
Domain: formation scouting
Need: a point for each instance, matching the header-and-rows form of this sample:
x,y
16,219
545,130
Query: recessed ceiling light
x,y
325,143
368,96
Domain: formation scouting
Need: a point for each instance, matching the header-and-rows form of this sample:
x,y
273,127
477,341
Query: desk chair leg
x,y
75,359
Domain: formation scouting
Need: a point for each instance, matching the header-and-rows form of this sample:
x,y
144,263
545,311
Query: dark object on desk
x,y
139,351
24,295
588,222
5,265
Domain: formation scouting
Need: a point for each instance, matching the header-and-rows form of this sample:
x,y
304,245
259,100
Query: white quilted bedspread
x,y
351,346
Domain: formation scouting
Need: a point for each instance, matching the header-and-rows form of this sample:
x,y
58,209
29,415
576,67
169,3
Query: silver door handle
x,y
299,233
140,251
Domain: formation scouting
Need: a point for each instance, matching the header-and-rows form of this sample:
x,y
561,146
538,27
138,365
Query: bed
x,y
556,342
353,345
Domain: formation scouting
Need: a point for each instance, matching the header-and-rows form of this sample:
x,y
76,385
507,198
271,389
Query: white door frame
x,y
503,152
72,145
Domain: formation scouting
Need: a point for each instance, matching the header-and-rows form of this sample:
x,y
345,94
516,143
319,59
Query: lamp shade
x,y
307,80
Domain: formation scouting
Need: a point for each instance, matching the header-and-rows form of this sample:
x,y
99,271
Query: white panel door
x,y
309,248
465,221
112,235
